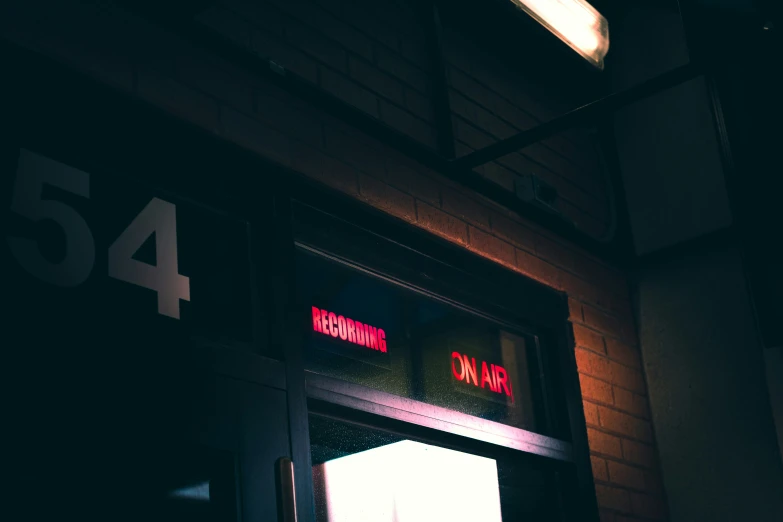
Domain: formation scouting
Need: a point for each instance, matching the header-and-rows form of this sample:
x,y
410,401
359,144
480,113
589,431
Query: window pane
x,y
371,332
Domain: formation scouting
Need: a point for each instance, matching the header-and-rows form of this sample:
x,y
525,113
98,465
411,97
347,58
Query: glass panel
x,y
368,475
371,332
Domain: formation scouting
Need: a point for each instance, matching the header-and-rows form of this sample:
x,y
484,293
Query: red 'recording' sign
x,y
329,323
493,376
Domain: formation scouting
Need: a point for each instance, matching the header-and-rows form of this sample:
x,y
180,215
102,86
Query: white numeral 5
x,y
32,173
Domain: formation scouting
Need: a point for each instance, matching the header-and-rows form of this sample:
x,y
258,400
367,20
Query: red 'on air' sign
x,y
329,323
493,376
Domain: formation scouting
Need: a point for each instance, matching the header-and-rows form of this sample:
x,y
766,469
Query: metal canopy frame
x,y
579,116
179,21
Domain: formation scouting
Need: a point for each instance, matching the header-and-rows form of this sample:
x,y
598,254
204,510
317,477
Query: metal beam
x,y
578,116
325,101
440,85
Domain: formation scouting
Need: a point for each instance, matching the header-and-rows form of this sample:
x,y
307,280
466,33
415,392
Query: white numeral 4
x,y
160,218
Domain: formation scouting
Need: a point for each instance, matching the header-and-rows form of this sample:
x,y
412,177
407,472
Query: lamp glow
x,y
575,22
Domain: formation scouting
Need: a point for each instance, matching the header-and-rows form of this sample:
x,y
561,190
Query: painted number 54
x,y
158,217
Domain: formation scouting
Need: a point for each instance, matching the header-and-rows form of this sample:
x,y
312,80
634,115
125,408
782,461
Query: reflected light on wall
x,y
575,22
199,492
409,482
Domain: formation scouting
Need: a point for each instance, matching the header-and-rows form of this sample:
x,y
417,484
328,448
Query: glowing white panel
x,y
410,482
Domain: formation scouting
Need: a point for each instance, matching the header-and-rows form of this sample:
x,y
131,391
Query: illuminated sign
x,y
338,326
493,376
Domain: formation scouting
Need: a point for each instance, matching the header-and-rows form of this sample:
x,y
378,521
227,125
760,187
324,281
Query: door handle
x,y
285,474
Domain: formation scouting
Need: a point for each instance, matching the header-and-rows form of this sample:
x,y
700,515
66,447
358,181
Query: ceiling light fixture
x,y
575,22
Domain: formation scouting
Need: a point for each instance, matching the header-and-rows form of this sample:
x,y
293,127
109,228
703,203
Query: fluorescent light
x,y
575,22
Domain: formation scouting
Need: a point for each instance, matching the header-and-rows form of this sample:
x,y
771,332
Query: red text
x,y
329,323
490,376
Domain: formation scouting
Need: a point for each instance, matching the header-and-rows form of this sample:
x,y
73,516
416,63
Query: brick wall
x,y
371,55
131,55
492,100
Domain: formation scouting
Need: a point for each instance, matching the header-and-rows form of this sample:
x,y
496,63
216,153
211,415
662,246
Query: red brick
x,y
105,63
471,135
294,121
441,223
521,165
325,169
585,291
589,204
178,99
376,80
595,389
604,443
348,91
209,77
461,149
628,378
465,207
591,413
574,310
592,364
407,123
589,339
602,321
500,175
462,106
401,68
580,175
599,468
627,476
638,453
259,14
631,402
625,424
513,232
415,51
346,145
621,352
314,44
595,271
256,136
419,105
228,24
490,246
520,119
537,269
605,515
648,506
583,221
269,46
329,26
387,198
493,125
613,498
308,160
406,177
555,253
